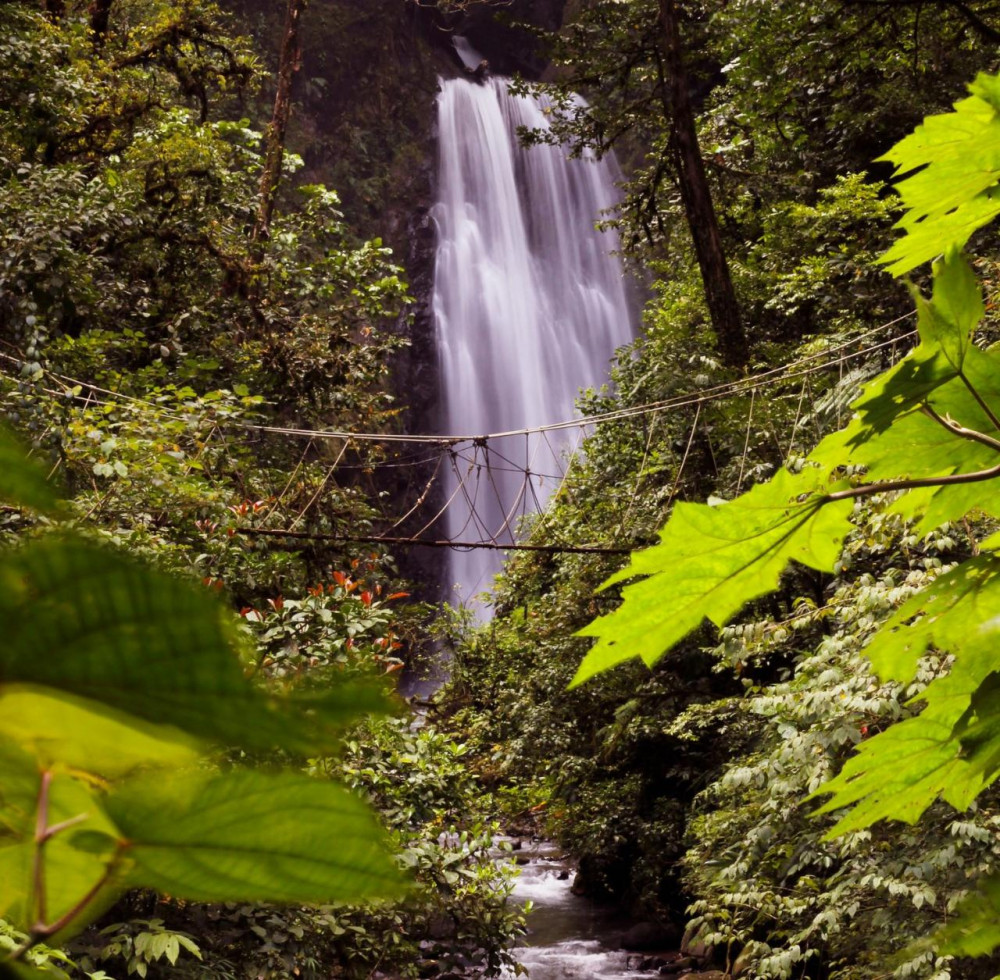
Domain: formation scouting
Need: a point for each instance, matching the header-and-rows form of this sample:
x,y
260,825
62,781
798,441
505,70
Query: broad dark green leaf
x,y
84,620
711,561
22,481
247,835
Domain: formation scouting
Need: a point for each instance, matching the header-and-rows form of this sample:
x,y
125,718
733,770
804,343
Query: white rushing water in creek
x,y
569,937
529,302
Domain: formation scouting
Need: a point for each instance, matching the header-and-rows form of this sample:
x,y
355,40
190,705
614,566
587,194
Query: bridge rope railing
x,y
473,463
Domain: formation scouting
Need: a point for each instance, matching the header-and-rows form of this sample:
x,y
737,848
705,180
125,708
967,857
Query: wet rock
x,y
522,859
645,936
652,963
516,845
563,875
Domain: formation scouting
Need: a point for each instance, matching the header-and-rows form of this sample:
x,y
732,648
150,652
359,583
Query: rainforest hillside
x,y
738,671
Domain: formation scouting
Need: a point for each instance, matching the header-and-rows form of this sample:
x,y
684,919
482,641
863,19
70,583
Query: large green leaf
x,y
712,560
898,774
19,785
84,620
18,788
69,872
949,750
953,162
59,729
248,835
22,481
946,615
945,324
895,435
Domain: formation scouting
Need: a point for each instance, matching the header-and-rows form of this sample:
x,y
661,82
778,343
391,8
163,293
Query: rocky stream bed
x,y
570,936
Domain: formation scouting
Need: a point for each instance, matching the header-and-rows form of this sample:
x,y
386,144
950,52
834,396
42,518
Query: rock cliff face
x,y
511,49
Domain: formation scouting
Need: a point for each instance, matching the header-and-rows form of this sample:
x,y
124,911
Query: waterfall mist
x,y
529,306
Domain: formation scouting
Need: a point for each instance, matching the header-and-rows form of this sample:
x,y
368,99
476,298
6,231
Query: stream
x,y
570,936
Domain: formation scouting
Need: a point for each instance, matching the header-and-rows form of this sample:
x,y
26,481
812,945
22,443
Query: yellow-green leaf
x,y
248,835
711,561
88,736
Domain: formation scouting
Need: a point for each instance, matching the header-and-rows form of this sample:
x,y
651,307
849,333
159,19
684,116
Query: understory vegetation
x,y
150,326
687,785
759,728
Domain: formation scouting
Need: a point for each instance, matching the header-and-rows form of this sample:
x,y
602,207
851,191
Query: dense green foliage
x,y
686,784
194,707
790,667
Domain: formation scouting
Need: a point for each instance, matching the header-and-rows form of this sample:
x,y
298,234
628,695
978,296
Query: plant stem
x,y
44,832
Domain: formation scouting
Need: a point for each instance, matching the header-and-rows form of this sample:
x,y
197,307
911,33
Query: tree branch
x,y
870,489
986,31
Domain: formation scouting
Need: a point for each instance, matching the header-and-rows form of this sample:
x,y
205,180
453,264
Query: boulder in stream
x,y
650,936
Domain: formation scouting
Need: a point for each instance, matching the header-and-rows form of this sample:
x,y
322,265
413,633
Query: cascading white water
x,y
529,302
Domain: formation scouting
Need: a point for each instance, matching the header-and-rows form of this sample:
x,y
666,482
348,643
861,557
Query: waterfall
x,y
529,306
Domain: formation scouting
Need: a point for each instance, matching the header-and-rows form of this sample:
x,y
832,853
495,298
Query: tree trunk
x,y
697,198
100,13
288,65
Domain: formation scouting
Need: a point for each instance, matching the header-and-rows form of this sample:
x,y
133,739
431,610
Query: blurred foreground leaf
x,y
22,481
82,619
248,835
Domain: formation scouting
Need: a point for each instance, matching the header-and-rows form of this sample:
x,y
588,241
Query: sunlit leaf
x,y
88,736
18,788
953,163
893,437
945,615
900,772
69,873
711,561
945,324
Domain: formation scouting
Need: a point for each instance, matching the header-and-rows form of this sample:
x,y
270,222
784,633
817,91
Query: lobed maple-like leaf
x,y
953,163
900,430
951,749
712,560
